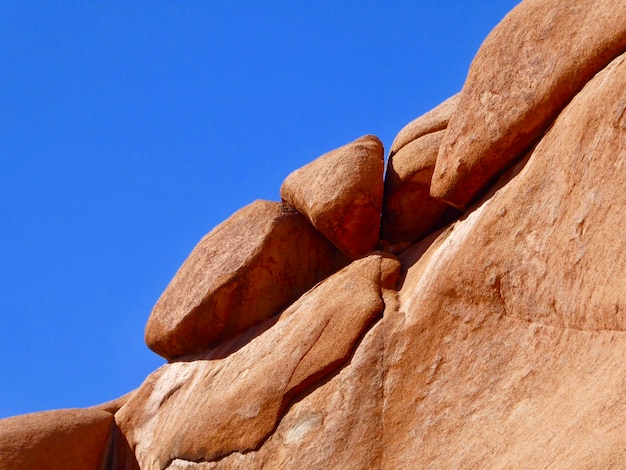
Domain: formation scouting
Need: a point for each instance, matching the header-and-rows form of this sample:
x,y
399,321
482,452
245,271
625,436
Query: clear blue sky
x,y
130,129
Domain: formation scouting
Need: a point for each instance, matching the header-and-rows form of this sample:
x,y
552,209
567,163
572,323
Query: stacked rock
x,y
292,343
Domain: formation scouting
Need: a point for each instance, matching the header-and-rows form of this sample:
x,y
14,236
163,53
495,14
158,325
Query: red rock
x,y
508,346
338,425
526,71
409,212
341,193
61,439
230,399
244,271
434,120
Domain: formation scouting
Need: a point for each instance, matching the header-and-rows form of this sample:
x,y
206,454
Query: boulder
x,y
341,193
230,399
61,439
247,269
529,67
409,212
434,120
508,345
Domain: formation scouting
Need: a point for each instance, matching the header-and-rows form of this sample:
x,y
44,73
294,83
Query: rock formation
x,y
496,338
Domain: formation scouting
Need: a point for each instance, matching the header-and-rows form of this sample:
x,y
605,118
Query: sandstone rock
x,y
508,346
338,425
409,212
245,270
231,398
434,120
61,439
341,193
527,70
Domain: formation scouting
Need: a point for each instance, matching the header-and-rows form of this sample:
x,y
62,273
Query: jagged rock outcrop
x,y
341,193
498,341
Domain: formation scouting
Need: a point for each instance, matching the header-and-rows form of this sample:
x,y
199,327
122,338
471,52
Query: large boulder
x,y
244,271
230,399
526,71
341,193
508,347
56,440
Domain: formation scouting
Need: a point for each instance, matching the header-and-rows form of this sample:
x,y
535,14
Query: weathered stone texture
x,y
341,193
244,271
531,65
230,399
509,350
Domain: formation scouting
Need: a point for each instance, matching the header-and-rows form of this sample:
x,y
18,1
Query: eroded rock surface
x,y
341,193
56,440
508,348
245,270
531,65
231,398
496,342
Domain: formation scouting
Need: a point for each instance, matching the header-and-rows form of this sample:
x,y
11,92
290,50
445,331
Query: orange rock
x,y
230,399
337,425
409,212
61,439
508,346
341,193
244,271
434,120
526,71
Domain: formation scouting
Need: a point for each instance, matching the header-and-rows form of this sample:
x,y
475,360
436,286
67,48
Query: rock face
x,y
509,348
498,341
243,272
62,439
341,193
236,394
526,71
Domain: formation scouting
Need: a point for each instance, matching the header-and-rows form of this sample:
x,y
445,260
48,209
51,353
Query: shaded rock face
x,y
409,212
244,271
498,341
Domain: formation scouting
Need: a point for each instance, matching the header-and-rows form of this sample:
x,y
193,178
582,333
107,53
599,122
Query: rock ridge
x,y
486,331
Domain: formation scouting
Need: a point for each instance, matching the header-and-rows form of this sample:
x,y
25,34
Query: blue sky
x,y
130,129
